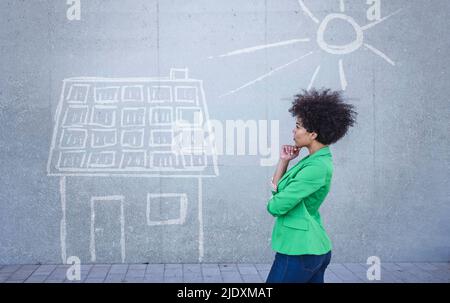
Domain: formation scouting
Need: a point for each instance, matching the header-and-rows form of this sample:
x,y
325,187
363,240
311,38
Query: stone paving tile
x,y
331,277
390,266
210,270
212,279
343,273
192,278
58,275
23,273
427,266
9,269
441,265
414,274
407,266
85,272
94,280
228,267
119,268
134,280
154,269
44,269
98,271
263,266
252,278
36,279
4,277
173,273
390,277
442,276
173,266
136,273
264,274
113,278
406,277
192,269
74,281
396,275
28,267
424,272
137,267
231,277
247,269
359,269
173,279
154,278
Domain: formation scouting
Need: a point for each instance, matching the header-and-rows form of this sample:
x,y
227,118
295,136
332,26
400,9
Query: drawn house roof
x,y
132,126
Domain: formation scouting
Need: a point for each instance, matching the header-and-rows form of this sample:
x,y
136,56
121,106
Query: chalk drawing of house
x,y
130,171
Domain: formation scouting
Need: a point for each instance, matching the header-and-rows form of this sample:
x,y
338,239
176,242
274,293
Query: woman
x,y
303,249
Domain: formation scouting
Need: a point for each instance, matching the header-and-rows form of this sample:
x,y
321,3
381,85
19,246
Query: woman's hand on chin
x,y
289,152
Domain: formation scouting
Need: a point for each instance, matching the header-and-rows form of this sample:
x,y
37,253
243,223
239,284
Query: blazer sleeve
x,y
307,181
273,186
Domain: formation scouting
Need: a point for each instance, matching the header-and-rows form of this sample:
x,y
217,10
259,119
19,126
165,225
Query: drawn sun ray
x,y
379,53
367,26
266,74
260,47
314,77
342,75
342,6
307,11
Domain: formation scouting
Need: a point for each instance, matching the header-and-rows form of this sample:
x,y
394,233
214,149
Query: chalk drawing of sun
x,y
323,45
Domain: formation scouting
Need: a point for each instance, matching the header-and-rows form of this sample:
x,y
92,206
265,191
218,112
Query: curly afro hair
x,y
325,113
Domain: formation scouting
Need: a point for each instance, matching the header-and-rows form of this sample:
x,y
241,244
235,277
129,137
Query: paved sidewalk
x,y
221,273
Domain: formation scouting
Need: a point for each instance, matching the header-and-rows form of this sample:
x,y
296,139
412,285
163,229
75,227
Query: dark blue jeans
x,y
298,269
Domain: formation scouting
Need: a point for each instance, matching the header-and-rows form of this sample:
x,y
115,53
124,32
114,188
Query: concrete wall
x,y
389,194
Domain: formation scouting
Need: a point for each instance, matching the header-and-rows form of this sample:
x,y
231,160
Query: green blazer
x,y
298,229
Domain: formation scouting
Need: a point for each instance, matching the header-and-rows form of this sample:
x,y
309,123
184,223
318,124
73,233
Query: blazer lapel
x,y
288,173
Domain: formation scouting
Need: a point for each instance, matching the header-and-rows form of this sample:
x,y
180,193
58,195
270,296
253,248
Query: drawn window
x,y
104,116
166,208
102,159
78,93
186,94
106,94
133,116
71,160
161,137
160,94
195,161
104,137
75,116
133,93
164,160
161,115
132,138
73,138
133,159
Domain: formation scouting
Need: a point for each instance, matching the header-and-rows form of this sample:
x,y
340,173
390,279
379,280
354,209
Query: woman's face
x,y
301,136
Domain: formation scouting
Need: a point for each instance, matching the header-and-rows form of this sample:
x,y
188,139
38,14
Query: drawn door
x,y
107,229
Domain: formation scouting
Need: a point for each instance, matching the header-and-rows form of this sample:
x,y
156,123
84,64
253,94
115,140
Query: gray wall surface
x,y
389,194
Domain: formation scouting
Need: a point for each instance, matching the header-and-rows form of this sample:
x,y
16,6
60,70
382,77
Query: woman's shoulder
x,y
314,168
